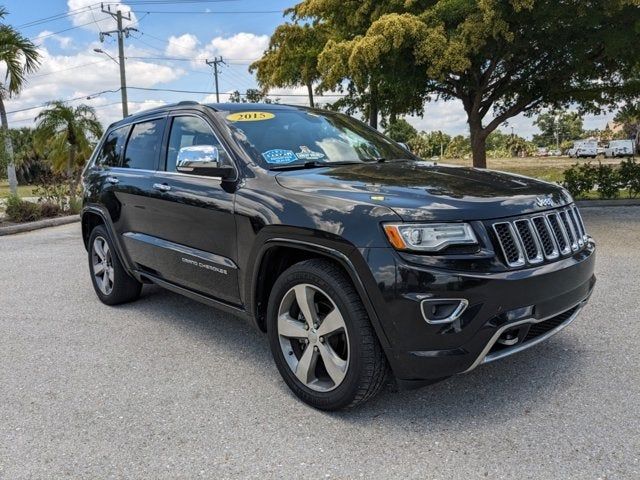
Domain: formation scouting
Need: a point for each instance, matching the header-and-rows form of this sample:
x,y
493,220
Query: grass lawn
x,y
549,169
23,190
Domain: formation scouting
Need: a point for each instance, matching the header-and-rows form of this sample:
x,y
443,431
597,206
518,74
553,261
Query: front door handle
x,y
163,187
113,180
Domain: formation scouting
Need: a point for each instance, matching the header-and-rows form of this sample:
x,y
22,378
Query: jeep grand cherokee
x,y
353,255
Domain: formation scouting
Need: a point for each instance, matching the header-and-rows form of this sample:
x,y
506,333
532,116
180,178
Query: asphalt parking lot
x,y
168,388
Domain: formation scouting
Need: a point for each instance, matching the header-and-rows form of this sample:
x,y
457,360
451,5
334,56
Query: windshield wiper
x,y
310,164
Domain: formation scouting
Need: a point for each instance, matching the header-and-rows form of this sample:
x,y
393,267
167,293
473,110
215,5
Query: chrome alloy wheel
x,y
313,337
102,265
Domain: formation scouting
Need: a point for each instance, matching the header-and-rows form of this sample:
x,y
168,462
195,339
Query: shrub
x,y
22,211
48,209
608,181
580,179
630,177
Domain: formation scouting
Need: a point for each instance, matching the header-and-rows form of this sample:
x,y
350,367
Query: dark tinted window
x,y
185,132
144,145
110,151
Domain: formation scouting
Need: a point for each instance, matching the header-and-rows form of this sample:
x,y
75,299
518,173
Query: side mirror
x,y
202,160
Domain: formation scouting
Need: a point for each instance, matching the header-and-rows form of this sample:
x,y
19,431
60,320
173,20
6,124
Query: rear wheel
x,y
112,283
321,338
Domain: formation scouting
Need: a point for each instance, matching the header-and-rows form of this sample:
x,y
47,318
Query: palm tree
x,y
67,134
21,58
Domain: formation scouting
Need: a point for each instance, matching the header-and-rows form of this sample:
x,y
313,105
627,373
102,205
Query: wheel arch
x,y
278,254
93,216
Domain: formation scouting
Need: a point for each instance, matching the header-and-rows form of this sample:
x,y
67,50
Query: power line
x,y
202,92
85,97
69,68
209,12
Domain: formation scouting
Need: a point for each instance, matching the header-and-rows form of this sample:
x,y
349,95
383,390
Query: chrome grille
x,y
546,236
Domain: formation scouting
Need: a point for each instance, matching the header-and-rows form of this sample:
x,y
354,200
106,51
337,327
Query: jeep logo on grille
x,y
545,202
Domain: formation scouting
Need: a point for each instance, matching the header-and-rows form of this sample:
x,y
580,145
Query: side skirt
x,y
232,309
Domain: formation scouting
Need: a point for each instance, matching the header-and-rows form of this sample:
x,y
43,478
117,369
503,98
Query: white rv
x,y
583,149
620,148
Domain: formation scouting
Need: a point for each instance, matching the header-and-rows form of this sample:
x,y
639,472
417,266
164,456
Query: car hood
x,y
425,191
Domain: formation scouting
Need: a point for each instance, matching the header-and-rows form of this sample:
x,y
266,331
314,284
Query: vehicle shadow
x,y
492,393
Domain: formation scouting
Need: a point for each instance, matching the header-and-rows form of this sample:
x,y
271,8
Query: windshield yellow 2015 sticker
x,y
250,116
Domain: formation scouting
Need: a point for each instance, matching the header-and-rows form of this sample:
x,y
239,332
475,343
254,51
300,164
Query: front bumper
x,y
531,304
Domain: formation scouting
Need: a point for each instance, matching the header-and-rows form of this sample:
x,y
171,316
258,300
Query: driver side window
x,y
187,131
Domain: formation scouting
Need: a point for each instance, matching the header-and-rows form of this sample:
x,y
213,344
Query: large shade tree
x,y
20,57
67,134
373,89
291,60
499,58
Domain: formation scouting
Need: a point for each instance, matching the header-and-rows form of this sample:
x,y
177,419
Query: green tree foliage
x,y
557,126
29,163
401,131
20,57
498,57
430,144
629,117
459,147
67,135
291,60
386,89
252,95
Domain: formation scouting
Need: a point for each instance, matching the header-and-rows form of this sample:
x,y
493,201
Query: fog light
x,y
439,311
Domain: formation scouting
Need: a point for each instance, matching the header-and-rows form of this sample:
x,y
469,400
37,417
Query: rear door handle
x,y
113,180
163,187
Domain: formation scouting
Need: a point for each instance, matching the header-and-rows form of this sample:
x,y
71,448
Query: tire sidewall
x,y
342,395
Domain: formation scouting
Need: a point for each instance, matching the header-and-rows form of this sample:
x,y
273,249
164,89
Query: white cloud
x,y
182,46
241,46
47,35
88,14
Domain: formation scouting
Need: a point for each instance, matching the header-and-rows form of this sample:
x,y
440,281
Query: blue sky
x,y
168,52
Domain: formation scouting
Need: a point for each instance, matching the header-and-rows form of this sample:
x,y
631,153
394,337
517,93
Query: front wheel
x,y
321,338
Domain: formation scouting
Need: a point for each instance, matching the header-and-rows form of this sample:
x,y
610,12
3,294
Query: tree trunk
x,y
8,148
373,107
310,90
71,174
478,142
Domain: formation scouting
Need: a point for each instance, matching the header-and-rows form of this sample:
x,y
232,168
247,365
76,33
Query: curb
x,y
627,202
29,226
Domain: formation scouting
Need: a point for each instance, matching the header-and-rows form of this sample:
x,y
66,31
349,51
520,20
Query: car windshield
x,y
290,138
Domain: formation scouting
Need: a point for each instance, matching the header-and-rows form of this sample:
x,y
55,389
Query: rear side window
x,y
144,145
109,155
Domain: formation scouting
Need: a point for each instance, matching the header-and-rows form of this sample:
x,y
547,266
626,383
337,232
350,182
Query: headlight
x,y
429,237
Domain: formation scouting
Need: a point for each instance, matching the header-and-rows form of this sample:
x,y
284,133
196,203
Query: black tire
x,y
366,363
124,288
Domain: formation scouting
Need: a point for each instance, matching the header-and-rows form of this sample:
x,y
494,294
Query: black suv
x,y
353,255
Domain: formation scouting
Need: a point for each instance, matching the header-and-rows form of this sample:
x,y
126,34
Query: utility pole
x,y
122,33
215,62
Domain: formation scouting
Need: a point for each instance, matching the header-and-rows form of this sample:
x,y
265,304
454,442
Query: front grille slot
x,y
509,244
531,240
541,328
545,235
569,229
558,231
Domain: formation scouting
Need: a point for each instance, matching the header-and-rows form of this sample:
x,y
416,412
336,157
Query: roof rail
x,y
188,102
